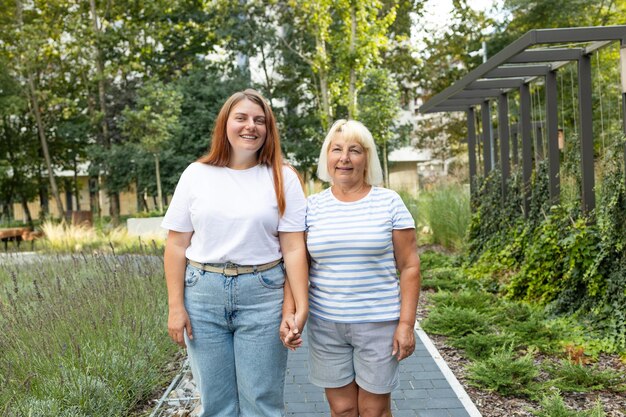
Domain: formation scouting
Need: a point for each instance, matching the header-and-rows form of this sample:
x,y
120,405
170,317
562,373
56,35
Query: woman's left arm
x,y
408,263
293,247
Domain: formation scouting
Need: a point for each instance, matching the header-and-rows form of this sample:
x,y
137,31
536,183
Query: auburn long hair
x,y
269,154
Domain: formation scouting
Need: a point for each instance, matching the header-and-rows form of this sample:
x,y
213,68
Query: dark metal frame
x,y
515,67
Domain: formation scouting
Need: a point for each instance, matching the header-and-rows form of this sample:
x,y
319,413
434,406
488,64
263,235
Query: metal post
x,y
527,151
538,144
503,133
586,133
552,130
471,148
514,138
622,53
486,124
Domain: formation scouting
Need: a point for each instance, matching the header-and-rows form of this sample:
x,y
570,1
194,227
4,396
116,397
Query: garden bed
x,y
564,360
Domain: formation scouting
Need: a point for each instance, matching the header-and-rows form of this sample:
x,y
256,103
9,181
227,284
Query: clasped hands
x,y
291,328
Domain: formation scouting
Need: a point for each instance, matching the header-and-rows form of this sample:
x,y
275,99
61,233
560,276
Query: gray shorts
x,y
340,353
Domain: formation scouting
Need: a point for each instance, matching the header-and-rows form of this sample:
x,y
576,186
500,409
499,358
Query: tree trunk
x,y
114,198
43,197
29,217
352,108
327,116
385,164
76,187
268,79
34,103
158,179
44,144
100,72
114,208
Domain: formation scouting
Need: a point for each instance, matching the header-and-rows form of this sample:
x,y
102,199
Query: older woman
x,y
361,315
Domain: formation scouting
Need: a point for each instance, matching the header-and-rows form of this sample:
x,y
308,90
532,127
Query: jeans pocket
x,y
273,278
192,275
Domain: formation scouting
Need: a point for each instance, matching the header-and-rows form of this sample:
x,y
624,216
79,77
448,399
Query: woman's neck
x,y
350,192
242,162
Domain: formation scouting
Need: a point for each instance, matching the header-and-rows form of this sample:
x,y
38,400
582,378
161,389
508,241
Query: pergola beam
x,y
531,38
547,55
504,83
519,71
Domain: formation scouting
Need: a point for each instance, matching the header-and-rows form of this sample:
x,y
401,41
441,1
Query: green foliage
x,y
483,345
446,279
430,260
474,299
455,321
506,373
552,405
576,377
446,211
557,256
82,335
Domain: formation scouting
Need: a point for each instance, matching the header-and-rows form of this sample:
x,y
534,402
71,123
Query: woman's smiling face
x,y
347,161
245,128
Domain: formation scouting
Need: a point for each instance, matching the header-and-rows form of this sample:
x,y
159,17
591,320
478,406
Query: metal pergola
x,y
513,69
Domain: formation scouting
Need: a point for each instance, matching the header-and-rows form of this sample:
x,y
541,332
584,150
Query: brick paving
x,y
424,389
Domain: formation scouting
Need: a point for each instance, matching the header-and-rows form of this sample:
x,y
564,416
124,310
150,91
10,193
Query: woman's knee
x,y
343,401
343,408
374,405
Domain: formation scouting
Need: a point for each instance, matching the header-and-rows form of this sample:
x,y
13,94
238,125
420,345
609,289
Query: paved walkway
x,y
427,387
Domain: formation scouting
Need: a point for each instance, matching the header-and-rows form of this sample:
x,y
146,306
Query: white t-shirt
x,y
234,213
353,268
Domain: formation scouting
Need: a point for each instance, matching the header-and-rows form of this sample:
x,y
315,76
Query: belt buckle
x,y
231,266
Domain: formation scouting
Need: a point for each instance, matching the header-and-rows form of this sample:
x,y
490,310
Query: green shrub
x,y
447,279
553,406
533,331
455,321
506,374
574,377
431,260
83,335
481,346
478,300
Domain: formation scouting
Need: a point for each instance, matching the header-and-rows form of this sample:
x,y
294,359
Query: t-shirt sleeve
x,y
401,218
178,215
295,211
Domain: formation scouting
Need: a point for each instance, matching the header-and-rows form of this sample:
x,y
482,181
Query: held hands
x,y
177,323
291,330
403,341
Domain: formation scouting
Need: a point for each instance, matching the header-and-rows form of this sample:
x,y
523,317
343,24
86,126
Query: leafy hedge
x,y
557,256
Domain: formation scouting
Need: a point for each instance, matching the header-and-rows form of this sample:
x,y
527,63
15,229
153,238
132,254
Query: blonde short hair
x,y
355,131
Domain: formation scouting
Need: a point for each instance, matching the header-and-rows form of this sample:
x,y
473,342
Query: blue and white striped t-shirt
x,y
353,271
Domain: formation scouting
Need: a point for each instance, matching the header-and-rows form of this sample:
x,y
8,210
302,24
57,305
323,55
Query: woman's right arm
x,y
175,264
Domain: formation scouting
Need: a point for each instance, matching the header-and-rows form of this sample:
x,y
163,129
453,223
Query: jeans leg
x,y
260,357
211,352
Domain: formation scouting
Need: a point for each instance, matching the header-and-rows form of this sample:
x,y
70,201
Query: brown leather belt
x,y
230,269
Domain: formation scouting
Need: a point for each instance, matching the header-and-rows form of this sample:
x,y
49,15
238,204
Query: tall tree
x,y
379,105
154,121
29,41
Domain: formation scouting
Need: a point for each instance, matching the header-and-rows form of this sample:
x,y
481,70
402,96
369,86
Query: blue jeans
x,y
237,359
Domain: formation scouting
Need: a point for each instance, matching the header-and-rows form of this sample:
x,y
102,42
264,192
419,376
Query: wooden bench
x,y
17,235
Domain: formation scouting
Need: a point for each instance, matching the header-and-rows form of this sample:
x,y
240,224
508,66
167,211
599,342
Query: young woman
x,y
236,224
